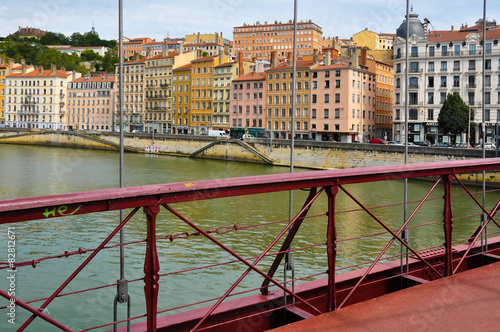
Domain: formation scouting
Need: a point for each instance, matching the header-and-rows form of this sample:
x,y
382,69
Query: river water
x,y
34,171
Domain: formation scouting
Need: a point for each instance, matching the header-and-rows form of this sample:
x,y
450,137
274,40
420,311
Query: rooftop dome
x,y
416,27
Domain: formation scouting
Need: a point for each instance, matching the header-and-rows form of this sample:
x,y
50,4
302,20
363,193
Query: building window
x,y
444,66
430,115
432,50
326,113
413,114
337,113
414,51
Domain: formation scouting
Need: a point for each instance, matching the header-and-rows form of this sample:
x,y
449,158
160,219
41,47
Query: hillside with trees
x,y
35,52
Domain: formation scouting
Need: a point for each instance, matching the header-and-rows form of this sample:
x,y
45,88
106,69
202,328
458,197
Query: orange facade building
x,y
259,40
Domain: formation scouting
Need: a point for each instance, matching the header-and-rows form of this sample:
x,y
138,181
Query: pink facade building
x,y
248,103
342,102
90,103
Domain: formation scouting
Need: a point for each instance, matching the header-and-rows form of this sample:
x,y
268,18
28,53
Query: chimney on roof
x,y
164,50
23,66
364,56
198,53
181,48
11,66
315,57
273,59
328,58
452,28
240,64
149,53
53,69
40,70
198,38
354,58
289,59
73,75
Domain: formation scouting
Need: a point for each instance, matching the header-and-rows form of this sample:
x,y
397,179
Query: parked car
x,y
247,136
358,142
442,145
487,146
422,143
393,143
377,141
463,146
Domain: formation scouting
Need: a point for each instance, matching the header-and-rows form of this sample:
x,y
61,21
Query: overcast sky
x,y
156,18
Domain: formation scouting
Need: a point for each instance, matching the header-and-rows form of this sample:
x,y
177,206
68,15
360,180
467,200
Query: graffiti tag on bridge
x,y
61,210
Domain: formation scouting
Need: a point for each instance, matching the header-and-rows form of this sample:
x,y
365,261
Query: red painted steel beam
x,y
448,226
331,248
151,268
43,207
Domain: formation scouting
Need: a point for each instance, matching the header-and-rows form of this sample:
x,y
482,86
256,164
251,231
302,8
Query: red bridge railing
x,y
155,198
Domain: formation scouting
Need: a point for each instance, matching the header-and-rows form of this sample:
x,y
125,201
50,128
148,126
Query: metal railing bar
x,y
239,257
490,217
394,234
80,268
35,312
31,208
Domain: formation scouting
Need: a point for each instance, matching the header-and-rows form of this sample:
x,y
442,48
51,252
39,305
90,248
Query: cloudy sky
x,y
157,18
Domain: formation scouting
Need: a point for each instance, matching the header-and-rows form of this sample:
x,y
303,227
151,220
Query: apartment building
x,y
158,96
279,97
202,88
181,92
210,40
133,95
342,100
444,62
248,104
373,40
224,74
257,41
91,103
134,46
159,89
37,98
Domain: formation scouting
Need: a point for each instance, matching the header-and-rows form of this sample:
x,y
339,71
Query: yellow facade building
x,y
181,87
373,40
202,87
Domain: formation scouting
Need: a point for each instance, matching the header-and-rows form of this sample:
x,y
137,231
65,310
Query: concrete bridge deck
x,y
467,301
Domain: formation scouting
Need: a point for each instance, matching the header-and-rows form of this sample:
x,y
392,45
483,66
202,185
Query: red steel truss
x,y
152,198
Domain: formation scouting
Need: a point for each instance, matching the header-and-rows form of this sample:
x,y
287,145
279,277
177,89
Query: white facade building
x,y
444,62
37,99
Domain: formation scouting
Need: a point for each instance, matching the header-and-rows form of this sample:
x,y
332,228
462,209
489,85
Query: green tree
x,y
455,115
53,38
89,55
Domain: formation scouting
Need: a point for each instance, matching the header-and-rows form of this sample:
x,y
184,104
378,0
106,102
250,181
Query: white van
x,y
218,133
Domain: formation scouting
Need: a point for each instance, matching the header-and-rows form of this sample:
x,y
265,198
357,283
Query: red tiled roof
x,y
284,66
45,73
460,35
205,58
227,64
94,79
253,76
183,67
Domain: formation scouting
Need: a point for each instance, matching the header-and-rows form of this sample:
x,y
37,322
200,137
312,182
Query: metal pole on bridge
x,y
122,294
289,264
484,241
